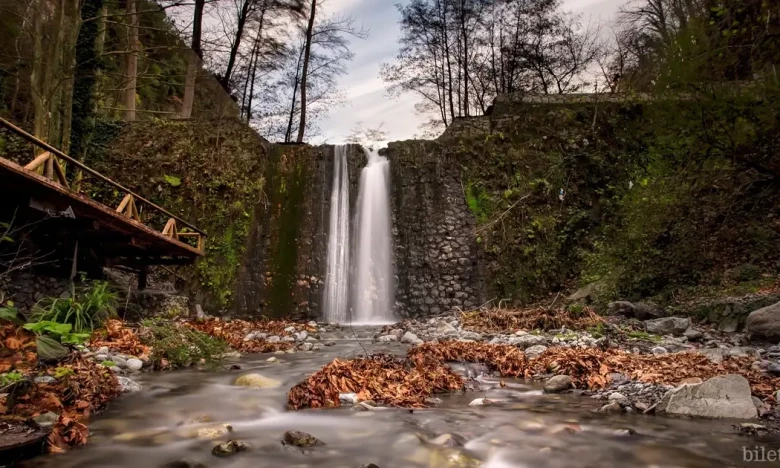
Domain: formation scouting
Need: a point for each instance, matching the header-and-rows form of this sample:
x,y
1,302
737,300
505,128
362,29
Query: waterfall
x,y
337,275
373,280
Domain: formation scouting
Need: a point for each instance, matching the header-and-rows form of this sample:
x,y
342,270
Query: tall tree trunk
x,y
305,72
443,16
258,42
88,49
464,35
242,17
288,134
193,60
131,71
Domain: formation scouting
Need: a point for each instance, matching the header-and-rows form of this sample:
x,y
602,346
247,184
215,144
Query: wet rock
x,y
289,329
447,440
134,364
330,343
348,399
480,402
526,341
617,396
256,381
271,359
773,368
726,396
306,346
760,406
409,337
47,419
535,351
301,336
693,335
128,385
213,432
667,325
470,335
397,332
44,379
659,350
273,339
764,323
119,361
445,329
229,448
639,310
613,407
558,384
301,439
387,338
183,464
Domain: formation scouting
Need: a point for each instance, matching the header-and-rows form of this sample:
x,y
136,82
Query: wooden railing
x,y
48,164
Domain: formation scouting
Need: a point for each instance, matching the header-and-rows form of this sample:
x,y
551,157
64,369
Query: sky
x,y
367,99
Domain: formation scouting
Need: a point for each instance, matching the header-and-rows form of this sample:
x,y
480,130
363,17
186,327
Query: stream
x,y
169,419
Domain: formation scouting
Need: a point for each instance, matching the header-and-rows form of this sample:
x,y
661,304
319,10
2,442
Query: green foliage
x,y
92,305
49,349
11,314
108,364
62,372
478,201
10,378
59,331
173,181
641,335
181,345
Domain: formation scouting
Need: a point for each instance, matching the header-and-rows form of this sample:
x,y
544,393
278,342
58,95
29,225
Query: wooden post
x,y
143,277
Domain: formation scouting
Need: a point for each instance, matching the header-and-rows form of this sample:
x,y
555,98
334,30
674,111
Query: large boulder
x,y
639,310
558,384
764,323
725,396
667,325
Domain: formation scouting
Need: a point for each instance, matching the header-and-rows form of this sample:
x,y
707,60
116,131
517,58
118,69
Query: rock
x,y
213,432
397,332
445,329
557,384
639,310
617,378
307,346
585,294
760,406
312,324
773,368
184,464
409,337
764,323
273,339
120,361
613,407
249,336
691,380
301,439
44,379
330,343
640,406
271,359
46,419
726,396
479,402
288,339
535,351
290,329
470,335
659,350
667,325
348,399
229,448
387,338
446,440
128,385
693,335
101,357
256,381
134,364
301,336
417,342
617,396
526,341
103,350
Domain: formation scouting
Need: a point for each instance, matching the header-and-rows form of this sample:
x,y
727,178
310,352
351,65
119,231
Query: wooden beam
x,y
60,173
38,161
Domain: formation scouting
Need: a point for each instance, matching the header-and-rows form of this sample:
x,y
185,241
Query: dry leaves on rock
x,y
540,318
385,379
120,337
234,331
508,360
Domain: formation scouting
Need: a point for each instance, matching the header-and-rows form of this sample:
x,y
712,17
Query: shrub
x,y
87,310
180,345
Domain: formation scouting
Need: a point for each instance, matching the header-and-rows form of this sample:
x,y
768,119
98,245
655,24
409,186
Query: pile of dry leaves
x,y
80,388
384,379
508,360
234,331
540,318
120,337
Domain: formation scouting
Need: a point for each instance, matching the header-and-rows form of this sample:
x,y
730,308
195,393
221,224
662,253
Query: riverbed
x,y
182,415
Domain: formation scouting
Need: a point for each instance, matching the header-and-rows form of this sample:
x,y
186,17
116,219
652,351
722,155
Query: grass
x,y
88,309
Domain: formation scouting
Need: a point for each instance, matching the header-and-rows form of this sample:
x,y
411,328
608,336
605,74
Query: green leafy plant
x,y
11,314
108,364
91,307
62,372
10,378
173,181
59,331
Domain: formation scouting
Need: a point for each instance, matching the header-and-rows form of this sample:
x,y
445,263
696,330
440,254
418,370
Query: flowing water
x,y
337,276
372,282
525,428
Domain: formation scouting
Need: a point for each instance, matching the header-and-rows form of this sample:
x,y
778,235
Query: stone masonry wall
x,y
435,251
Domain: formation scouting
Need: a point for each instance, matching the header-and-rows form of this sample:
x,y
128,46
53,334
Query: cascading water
x,y
337,276
372,280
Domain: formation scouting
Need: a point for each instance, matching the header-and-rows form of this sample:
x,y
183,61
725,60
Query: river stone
x,y
289,329
659,350
526,341
470,335
231,447
301,335
764,323
445,329
273,339
256,381
134,364
46,419
348,399
693,334
301,439
184,464
535,351
44,379
387,338
103,350
613,407
409,337
557,384
119,361
725,396
639,310
667,325
617,396
128,385
271,359
306,346
773,368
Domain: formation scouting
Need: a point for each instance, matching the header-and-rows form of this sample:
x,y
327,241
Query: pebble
x,y
231,447
306,346
617,396
45,379
289,329
119,361
273,339
271,359
659,350
535,351
479,402
348,399
613,407
134,364
128,385
103,350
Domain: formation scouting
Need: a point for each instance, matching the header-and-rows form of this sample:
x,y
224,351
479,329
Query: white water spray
x,y
373,281
337,276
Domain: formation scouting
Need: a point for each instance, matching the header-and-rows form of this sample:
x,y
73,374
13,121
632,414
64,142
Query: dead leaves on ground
x,y
385,379
121,338
234,331
540,318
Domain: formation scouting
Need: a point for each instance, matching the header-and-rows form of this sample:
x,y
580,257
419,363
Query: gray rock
x,y
535,351
659,350
387,338
409,337
726,396
128,385
229,448
47,419
617,396
558,384
348,399
119,361
273,339
639,310
693,334
44,379
271,359
445,329
134,364
667,325
289,329
101,357
613,407
773,368
470,335
249,336
306,346
526,341
102,350
397,332
301,335
301,439
764,323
